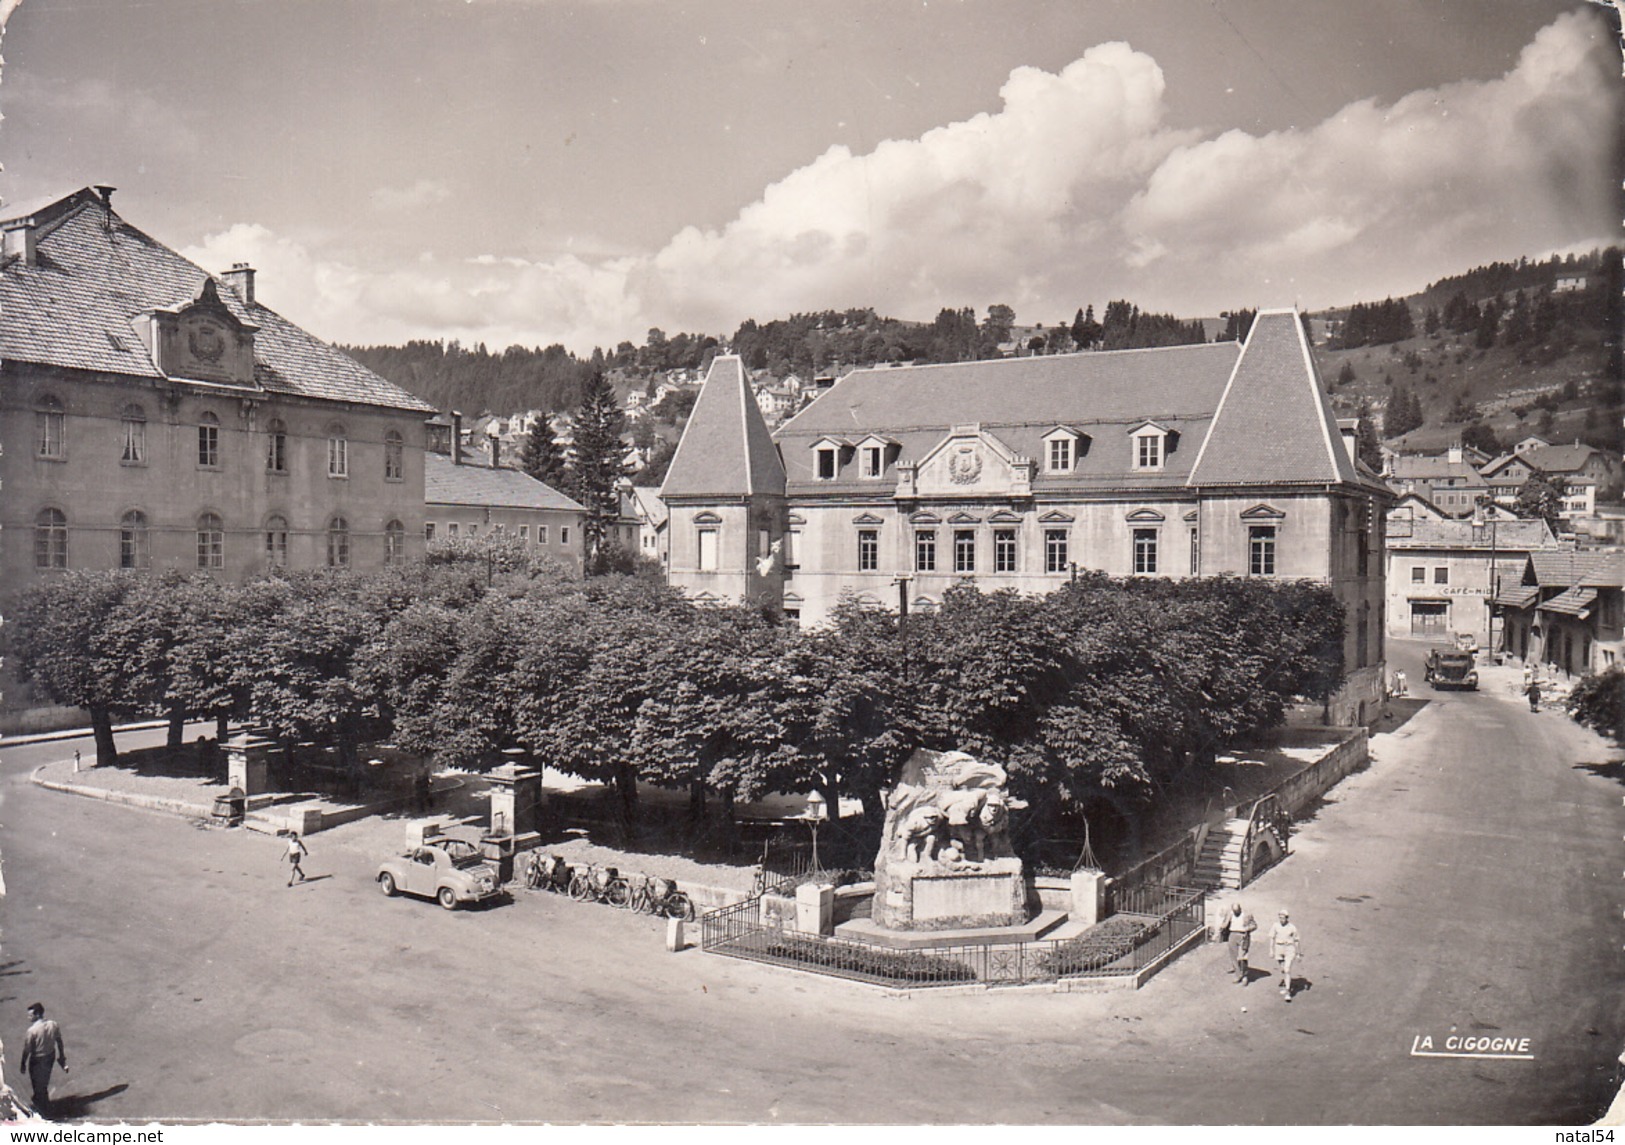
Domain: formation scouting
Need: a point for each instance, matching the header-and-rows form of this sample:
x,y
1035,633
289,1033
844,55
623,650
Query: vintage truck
x,y
1450,668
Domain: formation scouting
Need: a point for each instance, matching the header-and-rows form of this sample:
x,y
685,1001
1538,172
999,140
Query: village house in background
x,y
469,496
896,484
155,417
1567,610
1443,571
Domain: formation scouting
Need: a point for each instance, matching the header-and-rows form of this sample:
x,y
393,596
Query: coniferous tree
x,y
1367,446
540,456
597,463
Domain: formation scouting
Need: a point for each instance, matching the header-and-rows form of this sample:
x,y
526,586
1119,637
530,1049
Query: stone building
x,y
896,484
469,498
1443,572
153,416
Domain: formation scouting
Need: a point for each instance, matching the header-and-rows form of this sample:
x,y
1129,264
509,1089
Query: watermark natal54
x,y
1471,1046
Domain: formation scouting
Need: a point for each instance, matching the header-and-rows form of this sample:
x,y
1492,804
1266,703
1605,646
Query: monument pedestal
x,y
927,895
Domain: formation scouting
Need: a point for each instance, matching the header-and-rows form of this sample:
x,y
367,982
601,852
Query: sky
x,y
579,171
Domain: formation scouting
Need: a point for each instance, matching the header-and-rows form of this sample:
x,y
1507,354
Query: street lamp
x,y
817,810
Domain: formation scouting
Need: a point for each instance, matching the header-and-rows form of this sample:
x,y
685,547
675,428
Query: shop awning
x,y
1576,601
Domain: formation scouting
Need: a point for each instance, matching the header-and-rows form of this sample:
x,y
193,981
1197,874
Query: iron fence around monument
x,y
1158,921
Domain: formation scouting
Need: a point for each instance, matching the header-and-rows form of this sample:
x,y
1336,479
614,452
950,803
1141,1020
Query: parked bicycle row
x,y
589,882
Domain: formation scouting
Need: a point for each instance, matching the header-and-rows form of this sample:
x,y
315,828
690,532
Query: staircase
x,y
1219,864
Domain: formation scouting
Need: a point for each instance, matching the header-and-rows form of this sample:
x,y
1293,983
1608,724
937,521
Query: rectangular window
x,y
541,534
868,550
1004,550
276,546
925,551
1145,550
394,457
135,442
473,530
1148,453
564,534
792,547
276,449
826,465
338,457
1196,552
1261,550
964,550
208,446
872,465
1060,455
48,436
428,530
524,532
708,550
1419,575
1057,552
1441,576
451,529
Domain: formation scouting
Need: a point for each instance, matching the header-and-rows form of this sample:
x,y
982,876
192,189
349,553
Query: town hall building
x,y
897,483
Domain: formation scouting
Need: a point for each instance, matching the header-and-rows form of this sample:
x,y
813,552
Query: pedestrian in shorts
x,y
296,853
1237,930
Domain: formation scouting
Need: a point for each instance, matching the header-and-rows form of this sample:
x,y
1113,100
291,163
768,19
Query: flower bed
x,y
902,966
1099,946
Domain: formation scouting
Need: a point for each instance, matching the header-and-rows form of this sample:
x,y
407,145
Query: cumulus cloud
x,y
1074,191
423,193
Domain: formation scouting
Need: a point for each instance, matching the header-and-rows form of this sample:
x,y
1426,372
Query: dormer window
x,y
1062,449
1152,444
827,457
827,463
873,460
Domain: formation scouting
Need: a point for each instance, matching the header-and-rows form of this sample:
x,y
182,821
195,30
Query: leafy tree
x,y
1598,702
1481,437
541,456
597,465
652,475
1541,496
66,645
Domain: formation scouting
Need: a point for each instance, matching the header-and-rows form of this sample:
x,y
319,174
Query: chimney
x,y
1351,443
241,279
496,451
106,193
1454,456
20,238
456,438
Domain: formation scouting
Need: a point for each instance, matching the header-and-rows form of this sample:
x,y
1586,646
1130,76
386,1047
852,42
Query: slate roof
x,y
1274,424
1416,467
1569,567
94,272
1517,596
1103,394
446,483
726,450
1559,458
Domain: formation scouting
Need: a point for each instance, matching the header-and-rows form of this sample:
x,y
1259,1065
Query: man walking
x,y
42,1050
1237,929
296,853
1287,947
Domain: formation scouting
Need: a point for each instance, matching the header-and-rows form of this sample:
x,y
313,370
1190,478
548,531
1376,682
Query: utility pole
x,y
902,582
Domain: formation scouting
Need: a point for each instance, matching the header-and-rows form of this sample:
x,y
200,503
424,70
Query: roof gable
x,y
726,450
448,483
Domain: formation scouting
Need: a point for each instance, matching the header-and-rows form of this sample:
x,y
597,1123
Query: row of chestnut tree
x,y
1104,690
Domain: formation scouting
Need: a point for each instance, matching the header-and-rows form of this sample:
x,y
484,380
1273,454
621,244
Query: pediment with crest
x,y
971,461
200,339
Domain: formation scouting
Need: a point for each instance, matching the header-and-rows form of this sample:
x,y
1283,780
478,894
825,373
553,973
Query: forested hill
x,y
450,377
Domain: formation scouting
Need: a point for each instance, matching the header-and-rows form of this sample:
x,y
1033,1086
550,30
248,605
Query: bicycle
x,y
548,872
659,896
600,884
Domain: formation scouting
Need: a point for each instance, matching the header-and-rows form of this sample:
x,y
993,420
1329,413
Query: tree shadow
x,y
1398,712
1608,769
72,1106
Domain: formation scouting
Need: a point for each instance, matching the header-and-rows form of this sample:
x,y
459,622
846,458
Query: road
x,y
1468,881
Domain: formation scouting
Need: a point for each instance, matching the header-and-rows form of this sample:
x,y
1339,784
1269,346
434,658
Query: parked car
x,y
450,871
1449,668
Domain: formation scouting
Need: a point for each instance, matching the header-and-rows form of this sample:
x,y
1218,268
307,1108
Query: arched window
x,y
338,543
394,456
276,446
276,541
208,441
133,550
211,542
338,452
51,539
49,428
134,424
394,543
